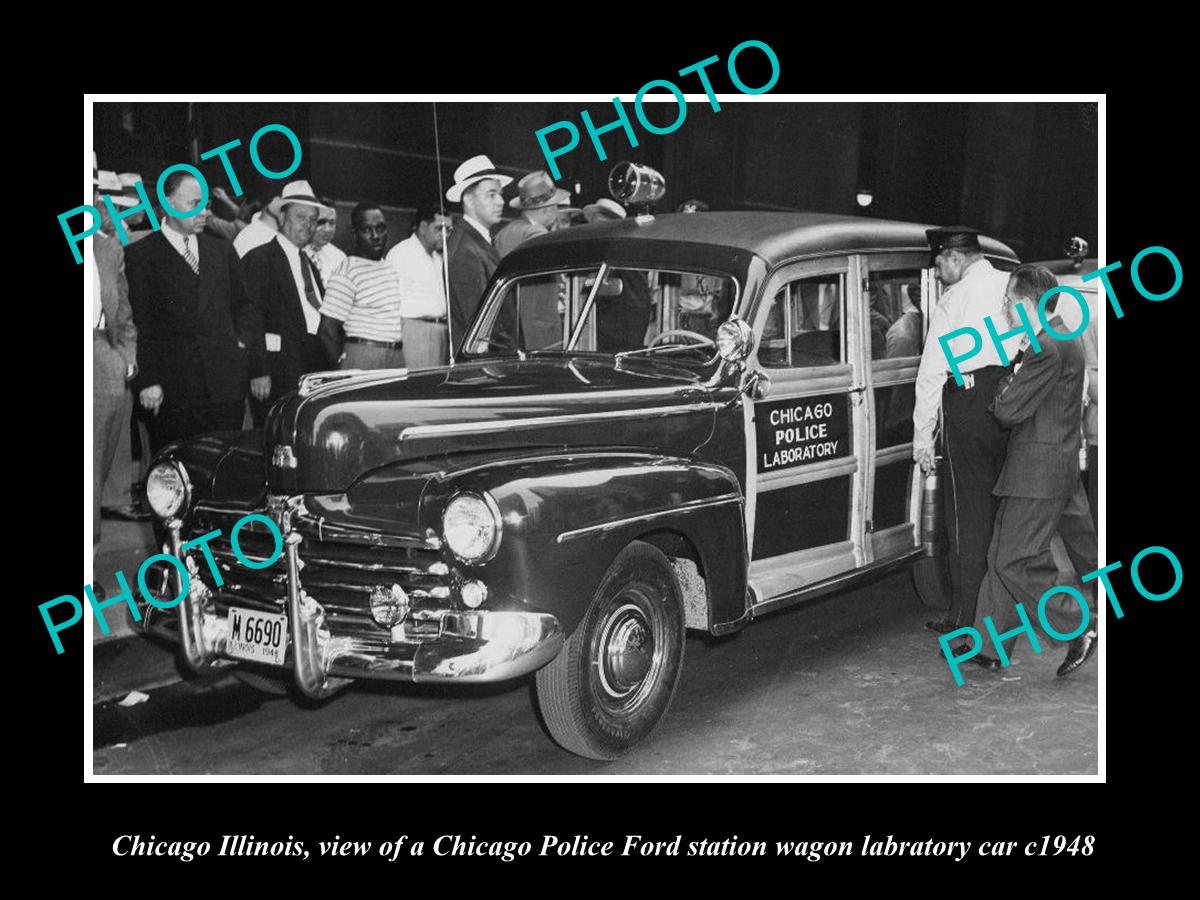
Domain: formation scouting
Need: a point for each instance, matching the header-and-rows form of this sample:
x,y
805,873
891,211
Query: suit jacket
x,y
1042,403
272,288
471,261
189,325
114,347
515,233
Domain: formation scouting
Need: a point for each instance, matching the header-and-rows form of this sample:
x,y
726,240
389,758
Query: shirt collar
x,y
478,227
978,267
286,243
176,239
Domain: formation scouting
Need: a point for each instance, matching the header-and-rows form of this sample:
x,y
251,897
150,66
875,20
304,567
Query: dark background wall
x,y
1025,173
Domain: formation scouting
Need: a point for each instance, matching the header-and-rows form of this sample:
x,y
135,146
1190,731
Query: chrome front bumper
x,y
469,646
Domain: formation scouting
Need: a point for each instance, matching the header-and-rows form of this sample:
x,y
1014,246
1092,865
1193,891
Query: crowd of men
x,y
211,318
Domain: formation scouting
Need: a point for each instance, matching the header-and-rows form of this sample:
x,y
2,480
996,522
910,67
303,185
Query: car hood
x,y
327,436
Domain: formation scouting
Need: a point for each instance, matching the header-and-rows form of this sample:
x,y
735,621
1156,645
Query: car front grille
x,y
339,567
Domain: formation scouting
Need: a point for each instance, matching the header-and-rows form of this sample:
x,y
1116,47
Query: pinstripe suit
x,y
1040,490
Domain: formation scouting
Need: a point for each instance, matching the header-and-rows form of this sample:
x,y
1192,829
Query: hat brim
x,y
301,201
594,213
454,195
558,198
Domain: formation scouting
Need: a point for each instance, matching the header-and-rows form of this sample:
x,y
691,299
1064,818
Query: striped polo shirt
x,y
364,294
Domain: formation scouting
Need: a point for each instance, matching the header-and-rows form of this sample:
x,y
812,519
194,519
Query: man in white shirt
x,y
418,262
324,255
287,291
973,443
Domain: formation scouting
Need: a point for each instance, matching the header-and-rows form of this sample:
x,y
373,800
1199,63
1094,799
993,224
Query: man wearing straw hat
x,y
471,256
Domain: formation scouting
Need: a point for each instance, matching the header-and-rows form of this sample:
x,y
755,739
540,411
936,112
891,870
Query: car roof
x,y
775,236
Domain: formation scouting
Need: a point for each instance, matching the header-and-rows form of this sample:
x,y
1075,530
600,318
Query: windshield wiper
x,y
674,348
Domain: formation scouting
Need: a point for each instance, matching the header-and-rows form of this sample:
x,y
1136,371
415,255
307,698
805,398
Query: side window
x,y
897,329
895,309
804,324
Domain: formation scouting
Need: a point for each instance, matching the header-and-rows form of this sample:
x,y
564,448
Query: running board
x,y
836,583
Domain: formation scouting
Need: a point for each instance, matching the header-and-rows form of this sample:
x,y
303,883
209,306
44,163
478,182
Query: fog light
x,y
389,604
473,594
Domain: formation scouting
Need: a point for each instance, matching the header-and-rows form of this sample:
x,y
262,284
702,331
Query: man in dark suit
x,y
114,362
1040,489
471,258
287,290
194,321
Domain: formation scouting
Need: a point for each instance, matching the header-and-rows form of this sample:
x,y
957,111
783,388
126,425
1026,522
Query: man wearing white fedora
x,y
287,290
471,257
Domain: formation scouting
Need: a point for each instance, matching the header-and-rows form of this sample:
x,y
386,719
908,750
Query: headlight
x,y
472,527
167,489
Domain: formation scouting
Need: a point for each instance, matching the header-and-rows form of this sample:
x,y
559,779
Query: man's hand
x,y
924,458
151,398
260,387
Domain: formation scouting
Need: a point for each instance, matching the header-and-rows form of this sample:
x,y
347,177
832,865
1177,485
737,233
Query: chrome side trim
x,y
648,517
414,431
530,399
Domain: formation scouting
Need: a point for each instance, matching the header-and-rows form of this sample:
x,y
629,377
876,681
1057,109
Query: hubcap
x,y
627,651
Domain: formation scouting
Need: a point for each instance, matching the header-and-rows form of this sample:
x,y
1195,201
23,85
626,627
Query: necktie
x,y
309,271
189,255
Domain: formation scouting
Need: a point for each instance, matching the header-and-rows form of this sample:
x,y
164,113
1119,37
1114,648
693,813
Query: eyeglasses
x,y
372,229
324,221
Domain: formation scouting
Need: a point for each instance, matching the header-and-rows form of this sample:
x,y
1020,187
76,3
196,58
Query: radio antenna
x,y
437,150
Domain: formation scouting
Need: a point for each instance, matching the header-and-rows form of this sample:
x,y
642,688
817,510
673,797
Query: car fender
x,y
566,517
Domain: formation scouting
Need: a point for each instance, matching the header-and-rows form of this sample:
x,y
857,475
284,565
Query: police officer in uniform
x,y
973,443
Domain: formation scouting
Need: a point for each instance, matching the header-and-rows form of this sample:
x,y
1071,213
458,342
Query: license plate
x,y
257,636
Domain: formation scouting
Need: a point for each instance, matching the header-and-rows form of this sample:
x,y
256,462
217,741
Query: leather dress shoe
x,y
986,662
130,512
1079,651
942,626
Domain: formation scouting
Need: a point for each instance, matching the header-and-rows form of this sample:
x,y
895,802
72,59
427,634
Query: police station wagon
x,y
656,424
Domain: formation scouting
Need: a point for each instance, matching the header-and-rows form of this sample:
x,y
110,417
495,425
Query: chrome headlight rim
x,y
493,510
734,340
181,471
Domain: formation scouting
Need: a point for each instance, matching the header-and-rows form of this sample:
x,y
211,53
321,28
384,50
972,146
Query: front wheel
x,y
611,683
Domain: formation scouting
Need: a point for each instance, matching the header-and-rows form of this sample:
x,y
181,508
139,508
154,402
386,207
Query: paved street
x,y
850,685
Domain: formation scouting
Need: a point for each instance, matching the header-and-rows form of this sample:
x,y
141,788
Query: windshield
x,y
609,309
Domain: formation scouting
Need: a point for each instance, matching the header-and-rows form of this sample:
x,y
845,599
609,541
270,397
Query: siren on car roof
x,y
636,185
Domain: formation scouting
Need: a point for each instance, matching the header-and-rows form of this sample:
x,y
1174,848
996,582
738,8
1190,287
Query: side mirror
x,y
756,385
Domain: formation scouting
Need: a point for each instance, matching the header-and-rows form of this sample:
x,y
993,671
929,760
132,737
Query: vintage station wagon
x,y
657,424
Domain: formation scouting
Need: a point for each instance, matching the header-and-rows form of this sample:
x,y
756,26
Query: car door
x,y
806,438
898,291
